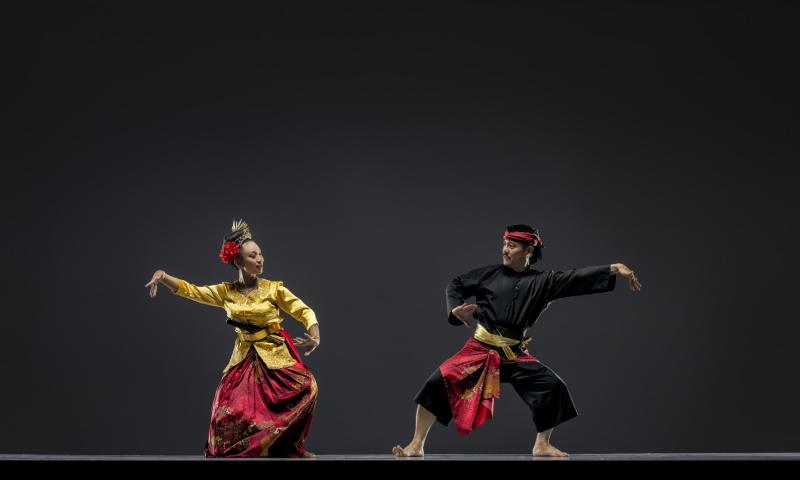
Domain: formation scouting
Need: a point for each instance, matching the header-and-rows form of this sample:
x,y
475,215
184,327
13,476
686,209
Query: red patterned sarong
x,y
259,412
472,380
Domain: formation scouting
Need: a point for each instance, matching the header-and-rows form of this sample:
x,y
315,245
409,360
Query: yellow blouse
x,y
260,308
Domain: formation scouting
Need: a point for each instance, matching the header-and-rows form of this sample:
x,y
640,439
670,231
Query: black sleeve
x,y
580,281
461,287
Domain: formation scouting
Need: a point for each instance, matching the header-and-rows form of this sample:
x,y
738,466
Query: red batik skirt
x,y
262,412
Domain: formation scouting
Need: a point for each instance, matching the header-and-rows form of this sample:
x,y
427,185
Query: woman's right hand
x,y
153,284
463,312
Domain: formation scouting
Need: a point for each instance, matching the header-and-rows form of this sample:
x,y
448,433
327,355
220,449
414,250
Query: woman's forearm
x,y
314,331
169,281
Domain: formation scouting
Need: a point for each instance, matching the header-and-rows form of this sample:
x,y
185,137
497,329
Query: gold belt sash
x,y
266,332
504,343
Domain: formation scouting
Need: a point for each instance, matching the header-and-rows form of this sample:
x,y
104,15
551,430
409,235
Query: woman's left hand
x,y
309,343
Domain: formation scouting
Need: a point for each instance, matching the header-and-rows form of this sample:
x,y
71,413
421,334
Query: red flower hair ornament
x,y
228,252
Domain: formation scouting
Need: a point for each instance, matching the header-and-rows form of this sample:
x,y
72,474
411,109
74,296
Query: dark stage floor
x,y
434,457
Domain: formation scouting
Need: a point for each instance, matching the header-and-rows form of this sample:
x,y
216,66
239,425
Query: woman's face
x,y
250,259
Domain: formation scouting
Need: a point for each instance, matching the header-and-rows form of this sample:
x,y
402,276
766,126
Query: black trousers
x,y
544,392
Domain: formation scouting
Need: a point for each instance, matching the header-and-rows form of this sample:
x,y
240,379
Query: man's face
x,y
514,254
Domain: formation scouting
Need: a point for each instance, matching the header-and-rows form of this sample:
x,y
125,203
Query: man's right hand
x,y
464,312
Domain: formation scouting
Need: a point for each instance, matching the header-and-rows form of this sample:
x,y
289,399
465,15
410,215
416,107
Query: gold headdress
x,y
240,231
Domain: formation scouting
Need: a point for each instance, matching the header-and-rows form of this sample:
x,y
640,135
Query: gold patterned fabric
x,y
485,336
260,308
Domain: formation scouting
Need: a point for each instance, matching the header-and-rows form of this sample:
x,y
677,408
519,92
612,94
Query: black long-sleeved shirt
x,y
509,302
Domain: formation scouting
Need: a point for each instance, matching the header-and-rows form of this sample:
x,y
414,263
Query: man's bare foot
x,y
548,451
308,454
412,450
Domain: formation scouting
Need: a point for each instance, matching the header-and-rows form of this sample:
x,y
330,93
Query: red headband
x,y
532,238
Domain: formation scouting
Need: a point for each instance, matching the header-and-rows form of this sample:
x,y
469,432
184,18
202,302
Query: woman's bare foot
x,y
412,450
308,454
548,451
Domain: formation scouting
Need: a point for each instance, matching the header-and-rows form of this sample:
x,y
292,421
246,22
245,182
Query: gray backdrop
x,y
378,150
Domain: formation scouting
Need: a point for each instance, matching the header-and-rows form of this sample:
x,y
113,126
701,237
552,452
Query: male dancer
x,y
508,300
